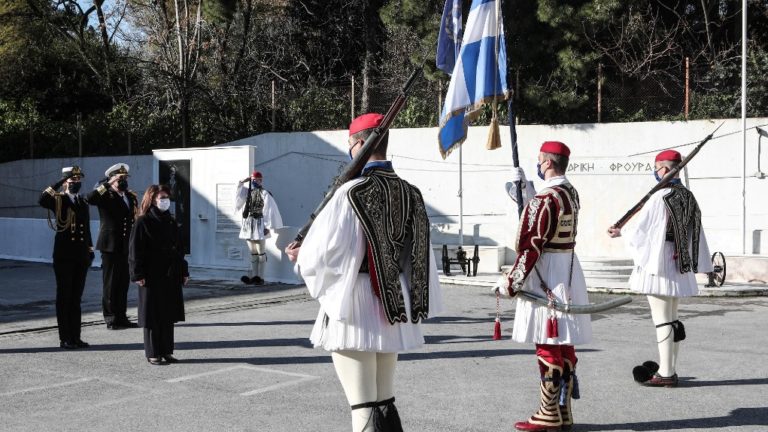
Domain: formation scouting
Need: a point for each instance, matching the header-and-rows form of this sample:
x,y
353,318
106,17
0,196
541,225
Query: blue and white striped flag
x,y
448,40
477,76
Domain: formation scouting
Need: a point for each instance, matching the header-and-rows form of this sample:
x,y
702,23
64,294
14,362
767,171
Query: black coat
x,y
116,218
157,256
73,243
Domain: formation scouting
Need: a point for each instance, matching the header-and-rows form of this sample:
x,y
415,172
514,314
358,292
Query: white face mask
x,y
163,204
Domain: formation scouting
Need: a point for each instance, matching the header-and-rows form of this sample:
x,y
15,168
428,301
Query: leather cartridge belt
x,y
560,247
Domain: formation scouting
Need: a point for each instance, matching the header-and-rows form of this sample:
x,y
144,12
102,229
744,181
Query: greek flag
x,y
477,76
448,40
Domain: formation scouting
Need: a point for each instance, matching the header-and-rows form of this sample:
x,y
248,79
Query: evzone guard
x,y
260,215
668,247
547,265
368,260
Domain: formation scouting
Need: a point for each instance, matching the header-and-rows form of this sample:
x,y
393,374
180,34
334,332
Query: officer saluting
x,y
72,251
117,211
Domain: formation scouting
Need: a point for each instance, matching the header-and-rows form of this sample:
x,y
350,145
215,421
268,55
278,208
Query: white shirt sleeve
x,y
436,305
272,218
646,235
705,257
241,193
331,255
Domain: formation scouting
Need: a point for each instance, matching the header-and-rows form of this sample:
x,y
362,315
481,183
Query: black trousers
x,y
70,283
158,340
114,299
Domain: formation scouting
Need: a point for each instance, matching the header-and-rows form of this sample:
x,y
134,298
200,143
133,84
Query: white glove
x,y
517,175
501,286
527,190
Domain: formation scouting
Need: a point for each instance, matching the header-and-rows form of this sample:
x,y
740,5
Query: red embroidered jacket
x,y
547,224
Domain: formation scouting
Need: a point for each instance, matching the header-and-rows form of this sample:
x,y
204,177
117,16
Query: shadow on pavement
x,y
737,417
252,323
691,382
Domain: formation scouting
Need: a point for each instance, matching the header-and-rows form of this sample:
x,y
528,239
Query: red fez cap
x,y
256,174
669,155
365,121
555,147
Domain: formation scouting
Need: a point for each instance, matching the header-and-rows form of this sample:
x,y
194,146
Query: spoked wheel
x,y
717,276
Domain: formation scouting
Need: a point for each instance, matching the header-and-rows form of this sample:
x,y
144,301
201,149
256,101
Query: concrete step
x,y
607,276
605,268
607,283
623,271
605,262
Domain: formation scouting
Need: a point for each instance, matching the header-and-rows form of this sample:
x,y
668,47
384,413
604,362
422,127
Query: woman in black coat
x,y
156,258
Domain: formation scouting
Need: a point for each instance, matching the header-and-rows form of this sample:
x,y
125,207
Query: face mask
x,y
256,183
74,187
122,185
163,204
656,174
538,171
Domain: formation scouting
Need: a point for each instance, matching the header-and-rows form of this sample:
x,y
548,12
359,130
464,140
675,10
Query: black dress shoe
x,y
245,280
82,344
256,280
170,359
68,345
126,324
156,361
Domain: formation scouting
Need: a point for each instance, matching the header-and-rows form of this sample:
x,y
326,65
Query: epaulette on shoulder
x,y
101,189
135,195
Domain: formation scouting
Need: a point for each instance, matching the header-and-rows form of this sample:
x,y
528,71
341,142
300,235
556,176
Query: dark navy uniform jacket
x,y
116,216
74,242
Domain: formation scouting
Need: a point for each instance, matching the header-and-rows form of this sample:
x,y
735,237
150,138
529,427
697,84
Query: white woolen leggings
x,y
365,377
664,310
257,248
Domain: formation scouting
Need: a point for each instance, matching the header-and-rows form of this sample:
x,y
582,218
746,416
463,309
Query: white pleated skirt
x,y
367,328
531,320
670,282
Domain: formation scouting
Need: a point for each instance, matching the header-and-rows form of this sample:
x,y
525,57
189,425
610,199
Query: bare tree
x,y
170,33
639,43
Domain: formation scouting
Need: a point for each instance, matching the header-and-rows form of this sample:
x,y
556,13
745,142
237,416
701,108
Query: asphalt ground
x,y
247,365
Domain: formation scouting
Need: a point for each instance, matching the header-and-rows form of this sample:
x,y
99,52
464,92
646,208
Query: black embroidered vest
x,y
685,223
396,226
254,205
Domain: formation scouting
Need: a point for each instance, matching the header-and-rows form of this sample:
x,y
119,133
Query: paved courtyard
x,y
247,366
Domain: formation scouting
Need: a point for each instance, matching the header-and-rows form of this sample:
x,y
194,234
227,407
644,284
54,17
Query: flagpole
x,y
461,202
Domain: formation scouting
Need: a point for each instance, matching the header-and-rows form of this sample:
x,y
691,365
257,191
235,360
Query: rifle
x,y
664,181
353,169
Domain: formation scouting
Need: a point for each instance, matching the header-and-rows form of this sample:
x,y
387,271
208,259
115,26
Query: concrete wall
x,y
611,166
22,181
214,225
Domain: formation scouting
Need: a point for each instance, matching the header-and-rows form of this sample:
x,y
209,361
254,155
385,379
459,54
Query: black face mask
x,y
122,185
74,187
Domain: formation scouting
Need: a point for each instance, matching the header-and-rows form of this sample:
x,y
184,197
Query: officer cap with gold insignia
x,y
73,171
116,169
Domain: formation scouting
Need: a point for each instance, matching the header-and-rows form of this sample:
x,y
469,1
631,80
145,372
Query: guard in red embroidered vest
x,y
546,264
668,247
368,260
